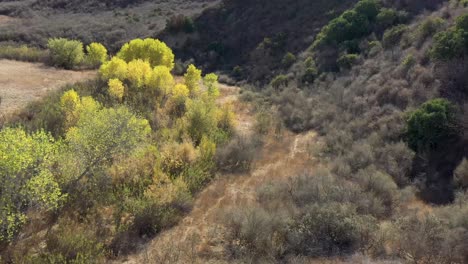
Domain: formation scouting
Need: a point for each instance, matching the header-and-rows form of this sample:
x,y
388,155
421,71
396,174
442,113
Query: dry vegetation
x,y
321,166
109,22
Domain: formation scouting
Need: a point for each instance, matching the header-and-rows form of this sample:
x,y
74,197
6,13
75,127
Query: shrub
x,y
192,79
75,244
369,8
448,45
288,60
431,125
279,81
310,74
393,35
116,89
408,62
237,156
255,234
462,24
157,53
180,23
387,17
429,27
330,229
347,61
374,47
96,54
65,53
114,69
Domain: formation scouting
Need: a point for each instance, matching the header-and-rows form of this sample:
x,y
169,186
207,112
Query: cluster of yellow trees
x,y
147,143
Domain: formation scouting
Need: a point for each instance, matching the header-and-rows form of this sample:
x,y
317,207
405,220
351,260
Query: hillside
x,y
333,132
110,22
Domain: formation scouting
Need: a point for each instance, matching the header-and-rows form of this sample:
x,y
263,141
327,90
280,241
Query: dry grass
x,y
200,235
23,82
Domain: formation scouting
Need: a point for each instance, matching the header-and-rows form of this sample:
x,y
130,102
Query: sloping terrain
x,y
232,34
200,236
22,82
109,22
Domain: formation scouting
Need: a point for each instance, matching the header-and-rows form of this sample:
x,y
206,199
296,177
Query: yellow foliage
x,y
211,83
116,68
96,54
157,53
70,104
116,89
138,72
180,90
161,80
192,79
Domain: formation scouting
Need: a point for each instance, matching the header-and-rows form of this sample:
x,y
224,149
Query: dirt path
x,y
200,233
24,82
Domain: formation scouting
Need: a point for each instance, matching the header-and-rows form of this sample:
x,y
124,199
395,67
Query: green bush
x,y
279,81
387,17
310,74
448,44
408,62
75,244
431,124
369,8
352,24
347,61
96,54
288,60
429,27
330,229
65,53
393,36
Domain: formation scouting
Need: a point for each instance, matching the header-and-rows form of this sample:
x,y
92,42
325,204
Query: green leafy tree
x,y
26,177
369,8
98,137
96,54
202,120
65,53
448,44
431,125
192,79
211,82
157,53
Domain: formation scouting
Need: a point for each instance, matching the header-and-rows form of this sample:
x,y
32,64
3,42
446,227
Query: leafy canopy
x,y
96,54
157,53
431,124
26,176
65,53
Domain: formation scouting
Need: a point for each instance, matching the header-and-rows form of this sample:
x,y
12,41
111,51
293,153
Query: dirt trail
x,y
200,233
24,82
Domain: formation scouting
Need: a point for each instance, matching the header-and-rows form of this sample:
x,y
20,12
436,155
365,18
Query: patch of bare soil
x,y
23,82
198,238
